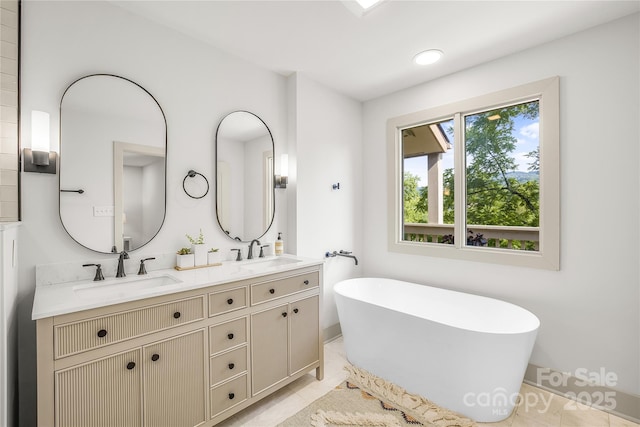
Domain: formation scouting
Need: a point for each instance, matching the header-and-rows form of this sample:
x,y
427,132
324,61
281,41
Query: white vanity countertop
x,y
63,298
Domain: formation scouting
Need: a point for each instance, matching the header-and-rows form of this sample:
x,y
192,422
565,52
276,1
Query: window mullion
x,y
459,178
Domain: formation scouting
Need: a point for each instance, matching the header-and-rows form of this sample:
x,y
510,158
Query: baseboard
x,y
586,391
332,332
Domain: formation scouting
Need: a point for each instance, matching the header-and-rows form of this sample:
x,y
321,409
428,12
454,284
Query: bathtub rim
x,y
337,288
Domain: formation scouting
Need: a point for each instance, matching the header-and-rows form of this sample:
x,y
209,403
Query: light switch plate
x,y
103,211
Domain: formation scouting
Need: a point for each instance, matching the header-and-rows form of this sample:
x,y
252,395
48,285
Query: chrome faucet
x,y
121,258
143,269
250,254
99,275
341,253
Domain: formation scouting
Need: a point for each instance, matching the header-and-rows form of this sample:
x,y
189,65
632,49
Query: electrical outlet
x,y
103,211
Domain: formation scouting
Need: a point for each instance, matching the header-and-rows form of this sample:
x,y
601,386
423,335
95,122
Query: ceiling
x,y
370,56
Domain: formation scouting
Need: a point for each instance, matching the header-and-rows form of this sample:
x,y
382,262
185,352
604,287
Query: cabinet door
x,y
175,381
106,392
269,347
305,341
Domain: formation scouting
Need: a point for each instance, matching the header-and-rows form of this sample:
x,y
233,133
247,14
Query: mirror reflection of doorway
x,y
138,201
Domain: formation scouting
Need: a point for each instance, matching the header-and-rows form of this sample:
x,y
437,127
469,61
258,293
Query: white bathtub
x,y
464,352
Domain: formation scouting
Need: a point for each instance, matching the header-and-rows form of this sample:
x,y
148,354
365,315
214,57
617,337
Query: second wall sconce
x,y
38,158
281,180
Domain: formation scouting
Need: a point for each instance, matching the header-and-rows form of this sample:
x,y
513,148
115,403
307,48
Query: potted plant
x,y
184,258
214,256
198,249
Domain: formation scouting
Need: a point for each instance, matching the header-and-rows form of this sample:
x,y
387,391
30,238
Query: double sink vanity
x,y
168,348
176,348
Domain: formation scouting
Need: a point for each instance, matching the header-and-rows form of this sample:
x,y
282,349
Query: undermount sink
x,y
260,265
122,287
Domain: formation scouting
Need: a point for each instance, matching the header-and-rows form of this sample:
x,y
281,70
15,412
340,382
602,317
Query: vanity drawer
x,y
226,301
228,394
76,337
267,291
227,365
227,335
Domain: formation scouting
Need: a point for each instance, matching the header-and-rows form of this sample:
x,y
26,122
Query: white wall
x,y
589,310
328,149
196,86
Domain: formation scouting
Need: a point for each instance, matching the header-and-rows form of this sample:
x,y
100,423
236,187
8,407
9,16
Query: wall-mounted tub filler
x,y
341,253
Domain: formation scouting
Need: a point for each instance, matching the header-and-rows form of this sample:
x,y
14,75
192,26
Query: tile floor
x,y
538,408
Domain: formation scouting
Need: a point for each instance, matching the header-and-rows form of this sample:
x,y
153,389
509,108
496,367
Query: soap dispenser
x,y
279,245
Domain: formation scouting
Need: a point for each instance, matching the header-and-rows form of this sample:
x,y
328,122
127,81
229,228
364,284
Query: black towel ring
x,y
192,174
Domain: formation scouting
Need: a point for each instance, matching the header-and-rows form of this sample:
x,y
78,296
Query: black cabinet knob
x,y
102,333
231,366
231,396
284,314
131,365
155,357
306,282
176,315
230,336
272,291
295,310
230,301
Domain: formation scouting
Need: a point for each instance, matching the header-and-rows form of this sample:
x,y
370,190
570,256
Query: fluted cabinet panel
x,y
80,336
175,381
103,393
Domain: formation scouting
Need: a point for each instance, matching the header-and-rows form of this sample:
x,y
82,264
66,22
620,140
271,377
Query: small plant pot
x,y
185,261
214,258
200,254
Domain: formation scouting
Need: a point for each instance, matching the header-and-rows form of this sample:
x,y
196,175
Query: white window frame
x,y
548,255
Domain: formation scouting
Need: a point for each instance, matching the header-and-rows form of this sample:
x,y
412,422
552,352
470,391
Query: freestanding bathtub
x,y
466,353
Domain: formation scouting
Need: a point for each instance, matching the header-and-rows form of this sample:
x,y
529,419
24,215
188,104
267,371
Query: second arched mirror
x,y
113,147
244,176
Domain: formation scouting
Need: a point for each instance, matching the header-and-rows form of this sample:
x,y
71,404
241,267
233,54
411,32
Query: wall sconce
x,y
281,180
38,158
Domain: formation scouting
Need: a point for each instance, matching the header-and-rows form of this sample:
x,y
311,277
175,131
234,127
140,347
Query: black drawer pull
x,y
176,315
131,365
231,396
284,314
306,282
102,333
231,366
230,336
295,310
272,291
230,301
155,357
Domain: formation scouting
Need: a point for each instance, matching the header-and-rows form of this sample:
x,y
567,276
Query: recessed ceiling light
x,y
428,57
361,7
366,4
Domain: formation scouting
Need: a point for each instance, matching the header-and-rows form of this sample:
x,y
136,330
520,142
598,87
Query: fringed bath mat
x,y
366,400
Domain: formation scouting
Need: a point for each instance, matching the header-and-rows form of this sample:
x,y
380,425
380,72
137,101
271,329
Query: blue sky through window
x,y
526,132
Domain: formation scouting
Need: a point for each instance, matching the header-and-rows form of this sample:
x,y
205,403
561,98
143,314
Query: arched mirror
x,y
113,145
244,176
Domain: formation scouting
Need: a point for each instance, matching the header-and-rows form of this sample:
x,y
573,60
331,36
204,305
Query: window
x,y
479,179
